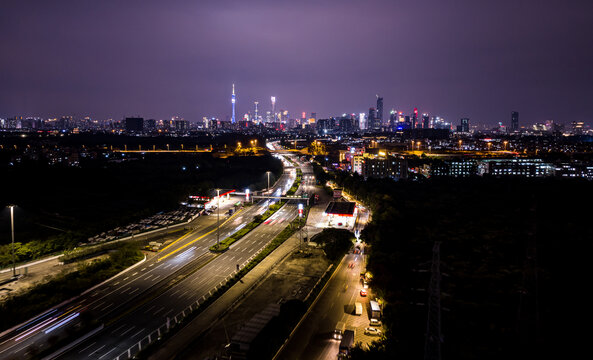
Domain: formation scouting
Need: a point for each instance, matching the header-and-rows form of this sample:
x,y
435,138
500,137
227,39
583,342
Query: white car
x,y
372,331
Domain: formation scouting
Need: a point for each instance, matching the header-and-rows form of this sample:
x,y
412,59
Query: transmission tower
x,y
433,339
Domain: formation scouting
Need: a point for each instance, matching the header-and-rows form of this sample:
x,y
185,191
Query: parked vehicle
x,y
372,331
346,343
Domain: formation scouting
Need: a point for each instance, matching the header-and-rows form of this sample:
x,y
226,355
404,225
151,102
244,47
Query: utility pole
x,y
218,220
12,231
433,337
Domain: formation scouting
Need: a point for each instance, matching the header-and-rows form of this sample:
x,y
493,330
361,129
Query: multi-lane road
x,y
136,303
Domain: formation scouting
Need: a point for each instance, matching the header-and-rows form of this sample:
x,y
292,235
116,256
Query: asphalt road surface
x,y
139,301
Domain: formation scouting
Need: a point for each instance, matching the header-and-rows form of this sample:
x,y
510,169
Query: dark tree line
x,y
490,310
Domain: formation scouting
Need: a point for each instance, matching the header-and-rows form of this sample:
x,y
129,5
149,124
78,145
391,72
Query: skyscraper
x,y
256,116
425,121
415,118
372,119
514,121
379,110
233,102
273,98
465,125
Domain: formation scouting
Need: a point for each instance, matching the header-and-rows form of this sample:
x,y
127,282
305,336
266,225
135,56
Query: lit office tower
x,y
362,121
465,125
256,117
415,118
425,121
514,121
273,98
379,110
371,119
233,102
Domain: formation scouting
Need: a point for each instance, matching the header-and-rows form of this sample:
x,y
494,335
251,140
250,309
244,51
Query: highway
x,y
138,302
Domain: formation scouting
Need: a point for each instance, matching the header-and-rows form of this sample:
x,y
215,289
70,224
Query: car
x,y
375,322
363,292
372,331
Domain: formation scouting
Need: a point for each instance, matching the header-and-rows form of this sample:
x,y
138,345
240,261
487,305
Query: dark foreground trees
x,y
496,301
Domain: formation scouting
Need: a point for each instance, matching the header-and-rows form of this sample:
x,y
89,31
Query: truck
x,y
346,344
339,331
357,308
375,310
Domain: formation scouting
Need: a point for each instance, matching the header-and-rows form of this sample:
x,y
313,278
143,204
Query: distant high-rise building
x,y
380,110
273,99
514,121
415,118
256,116
362,123
134,124
314,116
372,119
233,103
425,121
465,125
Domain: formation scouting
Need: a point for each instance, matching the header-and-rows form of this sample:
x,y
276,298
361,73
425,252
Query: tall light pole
x,y
12,231
268,172
218,219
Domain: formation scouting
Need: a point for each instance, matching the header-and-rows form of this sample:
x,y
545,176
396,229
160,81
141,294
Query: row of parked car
x,y
153,222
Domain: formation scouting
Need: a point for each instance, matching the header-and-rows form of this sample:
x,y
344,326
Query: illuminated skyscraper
x,y
233,102
256,117
514,121
273,98
379,110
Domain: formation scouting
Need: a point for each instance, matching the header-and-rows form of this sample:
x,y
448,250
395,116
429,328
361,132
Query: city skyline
x,y
159,61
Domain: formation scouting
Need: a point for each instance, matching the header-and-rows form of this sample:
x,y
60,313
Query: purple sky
x,y
453,58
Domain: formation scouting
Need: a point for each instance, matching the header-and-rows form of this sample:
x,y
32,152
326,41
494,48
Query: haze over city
x,y
453,59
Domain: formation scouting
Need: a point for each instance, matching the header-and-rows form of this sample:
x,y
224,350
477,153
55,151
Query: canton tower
x,y
233,102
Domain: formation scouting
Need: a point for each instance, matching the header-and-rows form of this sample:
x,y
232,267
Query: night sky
x,y
453,58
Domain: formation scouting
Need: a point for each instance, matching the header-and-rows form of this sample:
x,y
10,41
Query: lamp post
x,y
218,219
12,232
268,172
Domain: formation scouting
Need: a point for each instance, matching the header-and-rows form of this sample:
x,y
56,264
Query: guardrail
x,y
171,323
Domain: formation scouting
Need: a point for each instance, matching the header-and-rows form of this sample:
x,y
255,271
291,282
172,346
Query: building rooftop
x,y
341,208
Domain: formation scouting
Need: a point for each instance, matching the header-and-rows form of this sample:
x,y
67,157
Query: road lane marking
x,y
127,331
137,333
86,348
99,349
193,241
102,356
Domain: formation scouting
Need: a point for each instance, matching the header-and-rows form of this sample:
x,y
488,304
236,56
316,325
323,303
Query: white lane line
x,y
156,277
107,307
119,328
86,348
137,333
135,273
127,331
99,349
152,307
180,296
96,306
158,311
167,313
117,283
131,292
176,291
148,277
126,289
102,356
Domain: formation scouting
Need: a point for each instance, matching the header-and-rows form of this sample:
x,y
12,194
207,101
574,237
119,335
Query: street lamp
x,y
268,189
218,219
12,232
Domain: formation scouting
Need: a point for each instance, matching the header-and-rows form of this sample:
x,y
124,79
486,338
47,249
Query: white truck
x,y
357,308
